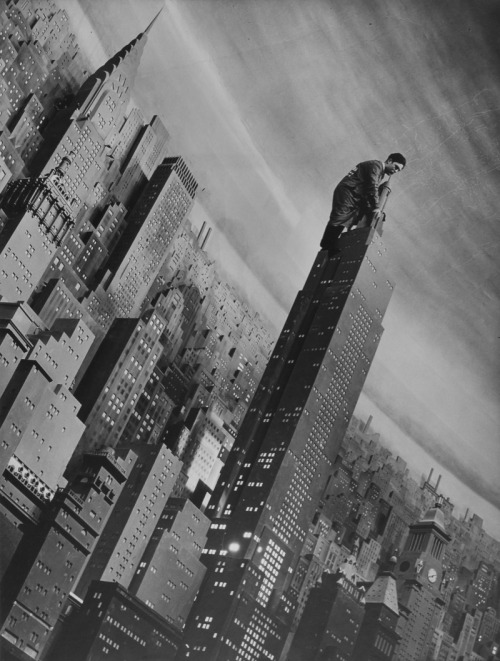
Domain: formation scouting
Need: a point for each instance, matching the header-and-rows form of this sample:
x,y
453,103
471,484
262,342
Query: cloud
x,y
429,437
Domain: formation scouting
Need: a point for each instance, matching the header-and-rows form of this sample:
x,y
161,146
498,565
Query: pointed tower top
x,y
118,72
383,591
146,31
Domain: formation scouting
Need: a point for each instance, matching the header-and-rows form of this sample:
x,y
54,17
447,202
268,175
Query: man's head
x,y
395,163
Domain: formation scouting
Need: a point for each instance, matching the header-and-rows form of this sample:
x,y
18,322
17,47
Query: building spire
x,y
146,31
384,591
118,72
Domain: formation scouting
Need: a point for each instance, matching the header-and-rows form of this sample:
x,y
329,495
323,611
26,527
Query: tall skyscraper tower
x,y
272,482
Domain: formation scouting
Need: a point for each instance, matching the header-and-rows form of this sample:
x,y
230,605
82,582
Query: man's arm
x,y
372,172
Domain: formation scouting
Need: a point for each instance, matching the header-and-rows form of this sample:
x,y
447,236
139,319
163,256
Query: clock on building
x,y
432,575
418,583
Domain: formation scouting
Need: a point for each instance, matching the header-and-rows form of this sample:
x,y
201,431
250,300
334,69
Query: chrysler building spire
x,y
113,80
147,30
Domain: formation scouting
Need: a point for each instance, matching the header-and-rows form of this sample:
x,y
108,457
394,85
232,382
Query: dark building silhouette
x,y
114,625
272,482
331,621
145,155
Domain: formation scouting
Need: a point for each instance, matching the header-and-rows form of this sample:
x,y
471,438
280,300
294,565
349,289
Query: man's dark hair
x,y
397,158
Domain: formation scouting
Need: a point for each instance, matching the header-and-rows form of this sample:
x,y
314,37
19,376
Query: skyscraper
x,y
116,377
47,562
481,586
170,571
124,538
271,484
152,224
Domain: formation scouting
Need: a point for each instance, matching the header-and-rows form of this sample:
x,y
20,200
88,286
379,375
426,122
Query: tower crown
x,y
114,79
435,516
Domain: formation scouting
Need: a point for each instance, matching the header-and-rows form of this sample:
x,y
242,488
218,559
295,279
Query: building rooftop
x,y
383,591
434,515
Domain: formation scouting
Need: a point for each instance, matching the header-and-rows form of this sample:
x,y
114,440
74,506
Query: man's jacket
x,y
363,181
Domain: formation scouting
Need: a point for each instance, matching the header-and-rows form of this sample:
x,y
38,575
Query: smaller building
x,y
41,213
170,572
48,561
378,635
132,522
113,625
330,625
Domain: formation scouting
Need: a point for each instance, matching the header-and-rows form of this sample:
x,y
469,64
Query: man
x,y
358,194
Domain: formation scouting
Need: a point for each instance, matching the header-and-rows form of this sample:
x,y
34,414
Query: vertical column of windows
x,y
333,400
253,645
270,565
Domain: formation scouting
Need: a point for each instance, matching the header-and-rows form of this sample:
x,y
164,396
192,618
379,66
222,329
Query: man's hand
x,y
376,212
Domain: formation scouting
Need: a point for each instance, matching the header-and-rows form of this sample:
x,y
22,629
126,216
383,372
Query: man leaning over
x,y
357,194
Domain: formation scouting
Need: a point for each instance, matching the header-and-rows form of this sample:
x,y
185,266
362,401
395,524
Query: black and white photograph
x,y
250,330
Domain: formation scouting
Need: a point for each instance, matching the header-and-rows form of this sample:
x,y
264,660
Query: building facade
x,y
47,562
420,573
139,506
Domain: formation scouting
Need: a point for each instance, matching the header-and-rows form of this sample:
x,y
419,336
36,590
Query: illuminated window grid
x,y
332,402
253,645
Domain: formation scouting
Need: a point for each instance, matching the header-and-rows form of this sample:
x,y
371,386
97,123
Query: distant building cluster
x,y
378,511
173,483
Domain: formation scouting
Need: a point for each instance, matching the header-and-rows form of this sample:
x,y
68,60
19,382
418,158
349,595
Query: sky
x,y
271,103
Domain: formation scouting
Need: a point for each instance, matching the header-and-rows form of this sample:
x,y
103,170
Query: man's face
x,y
391,167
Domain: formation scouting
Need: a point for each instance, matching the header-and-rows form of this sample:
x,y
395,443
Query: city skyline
x,y
264,170
172,485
